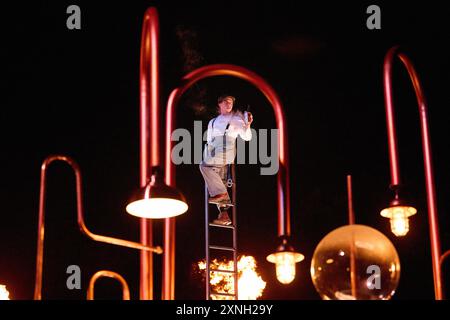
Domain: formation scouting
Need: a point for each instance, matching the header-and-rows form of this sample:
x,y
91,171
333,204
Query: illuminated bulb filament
x,y
285,267
399,225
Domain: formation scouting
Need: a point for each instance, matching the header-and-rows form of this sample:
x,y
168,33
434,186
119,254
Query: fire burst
x,y
4,294
250,284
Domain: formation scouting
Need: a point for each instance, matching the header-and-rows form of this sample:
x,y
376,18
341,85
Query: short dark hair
x,y
224,96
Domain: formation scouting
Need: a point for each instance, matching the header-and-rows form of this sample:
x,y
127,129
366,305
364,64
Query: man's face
x,y
226,105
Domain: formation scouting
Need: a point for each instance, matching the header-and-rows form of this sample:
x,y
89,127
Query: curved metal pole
x,y
426,147
108,274
149,134
80,220
168,284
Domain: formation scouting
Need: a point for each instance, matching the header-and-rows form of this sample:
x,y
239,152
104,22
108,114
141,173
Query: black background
x,y
76,92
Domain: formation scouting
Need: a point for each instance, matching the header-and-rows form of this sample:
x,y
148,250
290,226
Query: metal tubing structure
x,y
80,220
168,282
108,274
426,148
149,134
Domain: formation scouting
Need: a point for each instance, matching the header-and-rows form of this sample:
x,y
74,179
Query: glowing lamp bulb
x,y
285,267
399,218
400,224
285,259
157,208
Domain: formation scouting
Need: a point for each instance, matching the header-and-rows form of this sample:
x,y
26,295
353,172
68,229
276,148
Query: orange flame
x,y
250,284
4,294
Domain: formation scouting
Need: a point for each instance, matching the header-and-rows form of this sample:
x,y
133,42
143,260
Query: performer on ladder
x,y
220,152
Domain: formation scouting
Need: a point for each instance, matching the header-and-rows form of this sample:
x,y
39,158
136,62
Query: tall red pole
x,y
149,134
426,147
351,221
284,228
351,213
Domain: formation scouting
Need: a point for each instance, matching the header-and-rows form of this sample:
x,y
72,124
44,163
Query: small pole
x,y
351,213
351,221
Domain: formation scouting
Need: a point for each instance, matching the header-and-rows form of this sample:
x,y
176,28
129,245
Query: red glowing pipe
x,y
168,285
80,220
426,147
149,134
351,212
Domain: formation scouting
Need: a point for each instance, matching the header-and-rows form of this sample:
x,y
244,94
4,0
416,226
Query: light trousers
x,y
215,178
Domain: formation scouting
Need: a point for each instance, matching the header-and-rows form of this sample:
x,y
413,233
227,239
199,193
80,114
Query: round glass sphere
x,y
355,262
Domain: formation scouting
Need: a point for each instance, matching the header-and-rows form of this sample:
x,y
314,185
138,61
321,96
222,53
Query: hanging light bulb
x,y
285,259
398,213
157,200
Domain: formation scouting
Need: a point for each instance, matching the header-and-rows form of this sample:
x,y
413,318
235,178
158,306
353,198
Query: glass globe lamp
x,y
355,262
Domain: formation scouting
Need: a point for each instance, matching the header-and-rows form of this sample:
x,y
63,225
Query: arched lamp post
x,y
398,210
285,256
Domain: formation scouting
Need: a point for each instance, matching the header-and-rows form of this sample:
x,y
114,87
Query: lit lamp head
x,y
285,259
398,212
157,200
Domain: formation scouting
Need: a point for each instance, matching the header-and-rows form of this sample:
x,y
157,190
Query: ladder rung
x,y
221,226
222,294
221,270
222,248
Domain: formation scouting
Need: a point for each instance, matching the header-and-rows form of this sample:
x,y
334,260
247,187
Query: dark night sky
x,y
77,93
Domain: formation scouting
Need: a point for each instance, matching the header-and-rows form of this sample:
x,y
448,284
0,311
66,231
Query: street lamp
x,y
285,259
398,210
157,200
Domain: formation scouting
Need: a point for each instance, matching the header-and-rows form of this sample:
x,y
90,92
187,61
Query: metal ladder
x,y
230,182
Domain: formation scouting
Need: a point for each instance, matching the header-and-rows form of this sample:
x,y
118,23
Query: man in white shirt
x,y
220,149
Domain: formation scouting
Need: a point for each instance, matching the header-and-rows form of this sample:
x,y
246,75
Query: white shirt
x,y
219,151
237,127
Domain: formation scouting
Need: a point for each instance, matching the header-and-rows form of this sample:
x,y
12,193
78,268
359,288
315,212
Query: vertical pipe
x,y
351,213
426,148
351,221
168,272
235,230
149,134
207,258
40,237
390,119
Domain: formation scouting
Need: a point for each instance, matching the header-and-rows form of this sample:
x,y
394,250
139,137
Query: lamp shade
x,y
157,201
